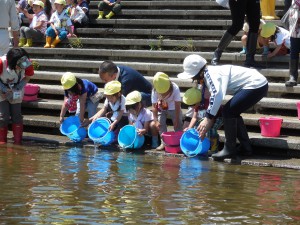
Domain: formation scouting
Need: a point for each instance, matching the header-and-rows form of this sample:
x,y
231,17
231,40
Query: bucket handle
x,y
128,146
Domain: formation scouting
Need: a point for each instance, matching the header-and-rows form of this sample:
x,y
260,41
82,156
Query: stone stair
x,y
153,36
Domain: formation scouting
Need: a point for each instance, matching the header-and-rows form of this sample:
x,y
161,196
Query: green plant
x,y
158,45
35,65
189,46
75,43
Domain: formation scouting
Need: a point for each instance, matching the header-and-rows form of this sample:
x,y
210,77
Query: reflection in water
x,y
92,186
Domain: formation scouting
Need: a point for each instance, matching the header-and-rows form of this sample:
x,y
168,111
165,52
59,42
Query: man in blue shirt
x,y
130,79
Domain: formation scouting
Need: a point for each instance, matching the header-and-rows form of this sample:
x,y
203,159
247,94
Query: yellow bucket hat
x,y
267,30
112,87
40,3
68,80
192,96
161,82
133,97
61,2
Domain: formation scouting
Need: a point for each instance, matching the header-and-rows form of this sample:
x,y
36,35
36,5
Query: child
x,y
85,7
85,91
193,97
166,101
60,25
140,117
245,36
77,15
114,106
37,27
278,35
113,6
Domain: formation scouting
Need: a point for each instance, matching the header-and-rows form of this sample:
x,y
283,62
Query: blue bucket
x,y
71,128
191,144
129,138
99,133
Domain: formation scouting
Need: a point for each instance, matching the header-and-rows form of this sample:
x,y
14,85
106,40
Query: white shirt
x,y
61,21
171,99
283,37
116,107
144,116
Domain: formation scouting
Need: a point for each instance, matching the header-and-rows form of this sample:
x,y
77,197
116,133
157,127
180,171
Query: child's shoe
x,y
55,42
22,42
161,147
266,50
101,13
244,51
109,15
48,42
29,42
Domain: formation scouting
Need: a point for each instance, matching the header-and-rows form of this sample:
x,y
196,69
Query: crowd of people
x,y
128,95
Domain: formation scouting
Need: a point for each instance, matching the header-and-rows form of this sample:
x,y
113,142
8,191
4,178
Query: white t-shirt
x,y
283,37
144,116
61,21
170,100
116,107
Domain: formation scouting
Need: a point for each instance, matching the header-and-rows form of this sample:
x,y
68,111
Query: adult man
x,y
130,79
9,18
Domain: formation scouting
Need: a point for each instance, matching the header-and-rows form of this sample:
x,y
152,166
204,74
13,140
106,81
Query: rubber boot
x,y
293,73
272,10
265,9
229,150
48,42
251,49
243,137
224,42
101,13
154,142
3,135
22,42
214,145
162,146
55,42
29,42
18,133
110,15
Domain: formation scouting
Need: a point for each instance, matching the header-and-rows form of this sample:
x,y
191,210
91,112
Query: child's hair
x,y
108,67
14,55
274,36
133,106
198,76
75,89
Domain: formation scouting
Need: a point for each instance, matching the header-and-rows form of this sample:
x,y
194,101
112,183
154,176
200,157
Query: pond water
x,y
41,185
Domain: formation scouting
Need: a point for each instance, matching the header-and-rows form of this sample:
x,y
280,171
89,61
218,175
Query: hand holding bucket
x,y
99,131
71,127
129,138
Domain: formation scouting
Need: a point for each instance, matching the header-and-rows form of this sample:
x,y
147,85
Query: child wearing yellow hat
x,y
279,36
141,117
85,91
193,98
166,101
114,106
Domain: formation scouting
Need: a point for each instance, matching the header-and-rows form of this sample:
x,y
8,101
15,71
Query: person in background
x,y
268,10
141,117
114,107
279,36
37,27
85,7
47,10
130,79
9,18
77,15
112,6
193,97
245,36
15,72
238,9
166,101
60,25
247,87
83,92
287,5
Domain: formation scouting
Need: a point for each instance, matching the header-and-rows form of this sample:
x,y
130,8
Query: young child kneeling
x,y
166,101
140,117
114,107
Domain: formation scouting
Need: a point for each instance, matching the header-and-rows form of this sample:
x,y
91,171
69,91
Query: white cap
x,y
192,64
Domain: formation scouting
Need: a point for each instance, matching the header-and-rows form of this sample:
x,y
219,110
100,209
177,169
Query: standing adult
x,y
130,79
15,71
238,9
247,87
9,18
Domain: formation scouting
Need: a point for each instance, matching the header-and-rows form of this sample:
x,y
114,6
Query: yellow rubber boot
x,y
101,13
55,42
265,9
48,42
272,10
109,15
22,42
29,42
214,145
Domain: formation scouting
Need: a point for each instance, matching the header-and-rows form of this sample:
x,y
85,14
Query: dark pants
x,y
10,111
287,5
243,100
295,48
105,7
240,8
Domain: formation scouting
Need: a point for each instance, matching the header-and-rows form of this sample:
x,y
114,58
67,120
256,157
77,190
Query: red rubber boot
x,y
18,133
3,135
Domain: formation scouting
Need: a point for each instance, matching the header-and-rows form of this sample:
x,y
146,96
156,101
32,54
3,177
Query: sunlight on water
x,y
41,185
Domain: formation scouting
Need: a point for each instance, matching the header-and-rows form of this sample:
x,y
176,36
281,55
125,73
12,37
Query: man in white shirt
x,y
9,18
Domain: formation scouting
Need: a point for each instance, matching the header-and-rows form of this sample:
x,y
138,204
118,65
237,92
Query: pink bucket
x,y
172,141
31,92
270,126
298,107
